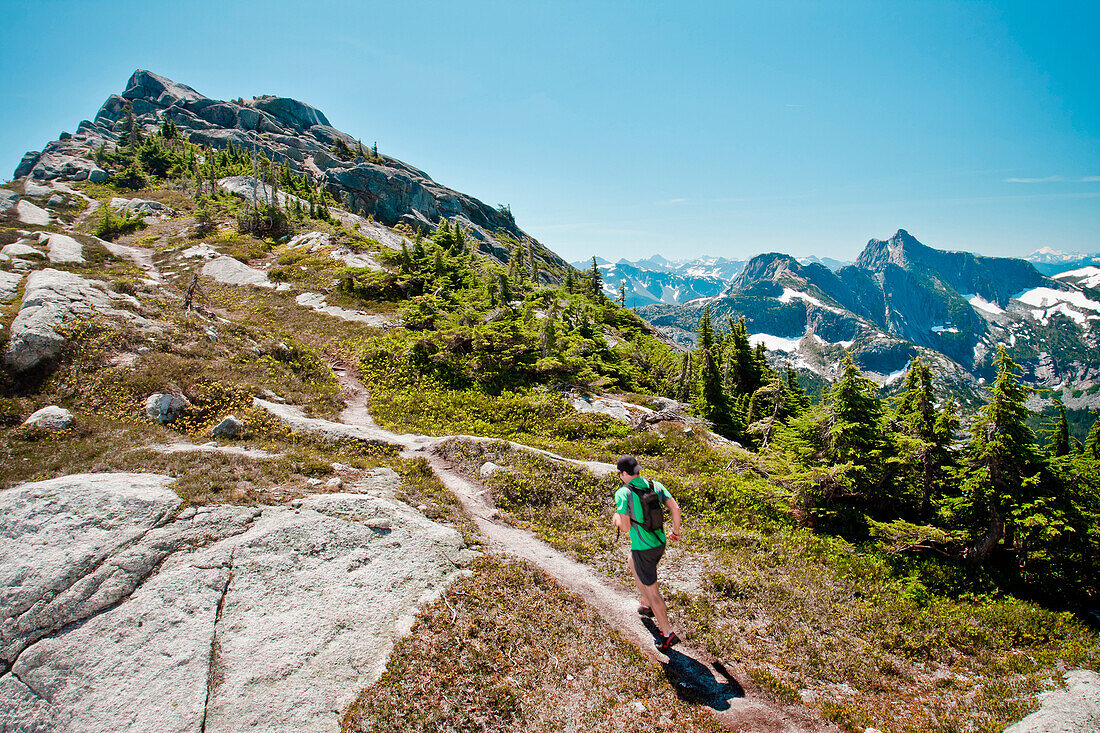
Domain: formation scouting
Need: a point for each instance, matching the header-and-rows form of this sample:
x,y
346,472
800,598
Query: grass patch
x,y
507,649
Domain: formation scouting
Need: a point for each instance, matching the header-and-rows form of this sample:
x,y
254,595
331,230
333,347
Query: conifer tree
x,y
1003,463
925,435
856,434
685,380
595,281
1092,441
570,279
1059,436
714,399
622,294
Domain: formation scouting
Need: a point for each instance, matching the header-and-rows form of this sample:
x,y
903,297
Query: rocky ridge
x,y
286,131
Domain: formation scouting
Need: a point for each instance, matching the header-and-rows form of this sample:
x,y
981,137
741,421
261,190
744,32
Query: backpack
x,y
653,508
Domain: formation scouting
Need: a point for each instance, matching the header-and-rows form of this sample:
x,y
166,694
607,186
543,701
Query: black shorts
x,y
645,563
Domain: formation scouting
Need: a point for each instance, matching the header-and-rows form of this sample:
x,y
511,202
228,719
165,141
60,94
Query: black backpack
x,y
653,507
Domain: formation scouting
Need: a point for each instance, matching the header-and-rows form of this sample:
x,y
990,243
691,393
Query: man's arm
x,y
621,521
674,510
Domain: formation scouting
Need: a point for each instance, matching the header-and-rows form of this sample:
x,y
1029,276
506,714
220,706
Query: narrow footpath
x,y
696,675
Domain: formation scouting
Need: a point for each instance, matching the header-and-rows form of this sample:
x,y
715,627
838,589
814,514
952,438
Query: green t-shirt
x,y
640,538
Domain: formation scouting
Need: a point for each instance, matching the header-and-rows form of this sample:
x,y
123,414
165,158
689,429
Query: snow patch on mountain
x,y
981,304
1086,277
1046,302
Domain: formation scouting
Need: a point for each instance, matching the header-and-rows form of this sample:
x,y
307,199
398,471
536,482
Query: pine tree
x,y
1092,441
1003,463
570,279
925,435
1059,436
595,280
715,406
856,434
622,294
684,381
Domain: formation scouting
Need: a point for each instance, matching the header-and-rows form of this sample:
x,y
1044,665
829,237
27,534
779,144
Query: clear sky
x,y
624,129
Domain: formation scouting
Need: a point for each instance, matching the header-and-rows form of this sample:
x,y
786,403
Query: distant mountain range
x,y
672,282
1051,261
901,298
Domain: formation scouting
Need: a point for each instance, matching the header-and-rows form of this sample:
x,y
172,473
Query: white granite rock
x,y
213,618
64,249
235,272
1075,709
164,407
53,297
51,418
9,285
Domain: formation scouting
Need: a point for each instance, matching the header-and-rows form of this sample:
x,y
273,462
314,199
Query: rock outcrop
x,y
130,614
51,298
1076,709
234,272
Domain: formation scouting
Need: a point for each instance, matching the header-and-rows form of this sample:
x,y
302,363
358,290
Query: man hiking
x,y
647,546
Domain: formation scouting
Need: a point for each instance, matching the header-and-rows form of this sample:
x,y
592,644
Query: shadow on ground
x,y
696,682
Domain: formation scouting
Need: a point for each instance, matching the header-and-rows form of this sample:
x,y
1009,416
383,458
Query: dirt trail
x,y
695,674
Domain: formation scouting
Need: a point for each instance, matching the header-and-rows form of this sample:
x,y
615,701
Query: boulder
x,y
230,427
26,165
28,213
8,200
33,188
164,407
291,112
142,207
52,418
488,469
9,285
53,297
56,200
235,272
22,249
64,249
60,161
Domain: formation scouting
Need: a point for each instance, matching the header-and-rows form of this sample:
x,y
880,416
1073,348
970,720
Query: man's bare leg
x,y
651,596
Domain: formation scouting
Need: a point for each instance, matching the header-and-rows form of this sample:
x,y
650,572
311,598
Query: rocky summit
x,y
287,132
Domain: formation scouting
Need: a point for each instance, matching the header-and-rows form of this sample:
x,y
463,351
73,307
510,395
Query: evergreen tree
x,y
1092,441
684,381
505,289
622,294
595,280
1003,464
856,435
924,435
715,407
1059,436
570,279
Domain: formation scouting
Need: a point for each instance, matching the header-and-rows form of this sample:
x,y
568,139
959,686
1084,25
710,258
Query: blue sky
x,y
624,129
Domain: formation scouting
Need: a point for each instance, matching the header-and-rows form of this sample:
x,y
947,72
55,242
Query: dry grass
x,y
810,618
507,649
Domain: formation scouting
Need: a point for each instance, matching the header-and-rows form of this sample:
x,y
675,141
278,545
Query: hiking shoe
x,y
664,643
645,611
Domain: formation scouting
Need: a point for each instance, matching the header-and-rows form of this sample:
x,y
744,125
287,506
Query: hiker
x,y
646,546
